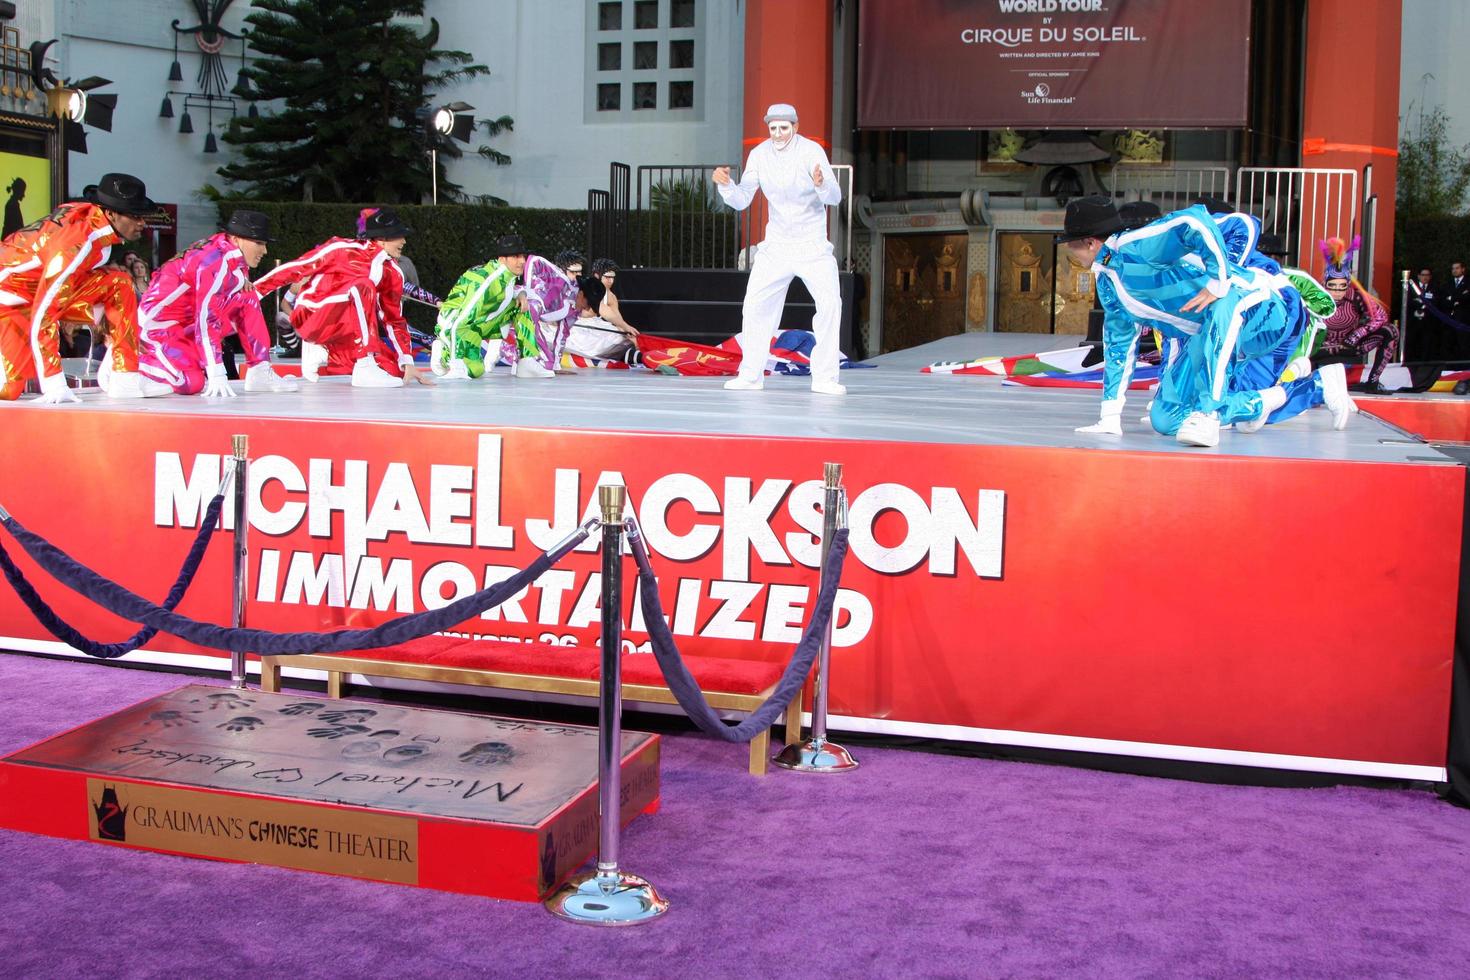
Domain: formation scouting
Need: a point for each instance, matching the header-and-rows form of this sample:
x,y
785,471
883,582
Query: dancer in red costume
x,y
352,286
55,267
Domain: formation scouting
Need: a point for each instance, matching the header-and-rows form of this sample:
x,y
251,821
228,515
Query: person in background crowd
x,y
1426,337
353,286
55,266
605,271
198,300
1360,323
594,337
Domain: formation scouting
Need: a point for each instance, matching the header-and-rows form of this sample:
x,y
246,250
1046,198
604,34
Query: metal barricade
x,y
1302,205
1170,189
679,221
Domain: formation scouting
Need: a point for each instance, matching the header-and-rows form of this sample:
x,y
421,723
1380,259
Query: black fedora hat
x,y
511,245
385,223
1090,217
249,224
124,194
1213,204
1136,214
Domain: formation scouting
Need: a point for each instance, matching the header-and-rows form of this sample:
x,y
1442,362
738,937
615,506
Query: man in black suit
x,y
1455,300
1426,337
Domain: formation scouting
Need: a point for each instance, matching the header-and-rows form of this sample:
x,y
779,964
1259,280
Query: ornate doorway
x,y
924,291
1029,287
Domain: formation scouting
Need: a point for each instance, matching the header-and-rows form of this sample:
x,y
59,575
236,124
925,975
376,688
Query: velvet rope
x,y
129,605
686,689
69,635
1444,317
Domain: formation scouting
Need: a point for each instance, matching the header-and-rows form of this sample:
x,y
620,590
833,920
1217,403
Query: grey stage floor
x,y
891,401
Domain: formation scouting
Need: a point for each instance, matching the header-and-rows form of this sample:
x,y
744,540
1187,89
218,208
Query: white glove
x,y
1111,422
218,385
55,391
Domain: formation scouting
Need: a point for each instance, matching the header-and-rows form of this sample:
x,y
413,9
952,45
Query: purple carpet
x,y
916,865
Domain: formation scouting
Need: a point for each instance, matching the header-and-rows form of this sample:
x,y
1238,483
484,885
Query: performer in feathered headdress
x,y
1360,324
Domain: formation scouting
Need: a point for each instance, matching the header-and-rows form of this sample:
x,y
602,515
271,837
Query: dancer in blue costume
x,y
1224,313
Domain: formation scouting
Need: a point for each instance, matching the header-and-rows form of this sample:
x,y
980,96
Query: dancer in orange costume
x,y
54,267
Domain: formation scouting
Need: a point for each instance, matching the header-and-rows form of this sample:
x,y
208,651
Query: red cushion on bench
x,y
711,673
507,657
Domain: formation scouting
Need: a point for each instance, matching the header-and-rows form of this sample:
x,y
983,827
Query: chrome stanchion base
x,y
816,756
599,899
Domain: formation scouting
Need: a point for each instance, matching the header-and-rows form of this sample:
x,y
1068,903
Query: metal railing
x,y
1170,189
1303,206
676,219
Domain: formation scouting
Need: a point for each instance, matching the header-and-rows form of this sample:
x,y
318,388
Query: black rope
x,y
129,605
682,683
69,635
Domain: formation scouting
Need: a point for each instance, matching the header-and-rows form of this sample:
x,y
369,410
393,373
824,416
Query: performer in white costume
x,y
799,185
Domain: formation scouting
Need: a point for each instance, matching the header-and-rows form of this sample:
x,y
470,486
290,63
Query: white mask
x,y
781,133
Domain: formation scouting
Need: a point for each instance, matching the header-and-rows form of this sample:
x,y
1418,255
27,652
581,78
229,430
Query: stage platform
x,y
891,402
1285,600
473,804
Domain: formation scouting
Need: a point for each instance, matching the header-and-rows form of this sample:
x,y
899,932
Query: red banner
x,y
1161,599
1052,64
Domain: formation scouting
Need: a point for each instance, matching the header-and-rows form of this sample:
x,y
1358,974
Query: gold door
x,y
924,289
1029,286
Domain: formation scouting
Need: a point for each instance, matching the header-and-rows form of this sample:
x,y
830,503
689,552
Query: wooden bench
x,y
736,685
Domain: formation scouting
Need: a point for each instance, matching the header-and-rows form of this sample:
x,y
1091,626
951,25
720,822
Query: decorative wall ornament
x,y
210,37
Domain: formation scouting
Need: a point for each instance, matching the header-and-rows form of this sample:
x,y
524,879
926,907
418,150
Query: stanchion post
x,y
1403,315
240,444
609,896
817,754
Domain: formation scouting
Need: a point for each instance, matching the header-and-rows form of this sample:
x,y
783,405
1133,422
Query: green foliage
x,y
685,195
1433,175
351,80
1431,242
446,240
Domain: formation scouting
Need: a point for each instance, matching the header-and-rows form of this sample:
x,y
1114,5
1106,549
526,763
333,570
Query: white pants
x,y
765,296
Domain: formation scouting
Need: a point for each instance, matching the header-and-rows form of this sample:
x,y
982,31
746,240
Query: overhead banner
x,y
1044,64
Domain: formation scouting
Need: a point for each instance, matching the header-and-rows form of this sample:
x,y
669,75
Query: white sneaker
x,y
1299,368
1335,394
1200,430
439,358
456,371
131,384
367,374
741,383
262,377
527,368
313,359
104,373
827,388
1253,425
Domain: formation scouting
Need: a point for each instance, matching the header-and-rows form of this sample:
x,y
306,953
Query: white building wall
x,y
1435,71
540,53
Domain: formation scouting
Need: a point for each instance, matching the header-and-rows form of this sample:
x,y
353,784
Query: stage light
x,y
444,120
166,111
210,146
186,125
175,73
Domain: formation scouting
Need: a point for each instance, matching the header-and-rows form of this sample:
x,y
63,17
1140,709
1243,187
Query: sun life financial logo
x,y
1040,94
